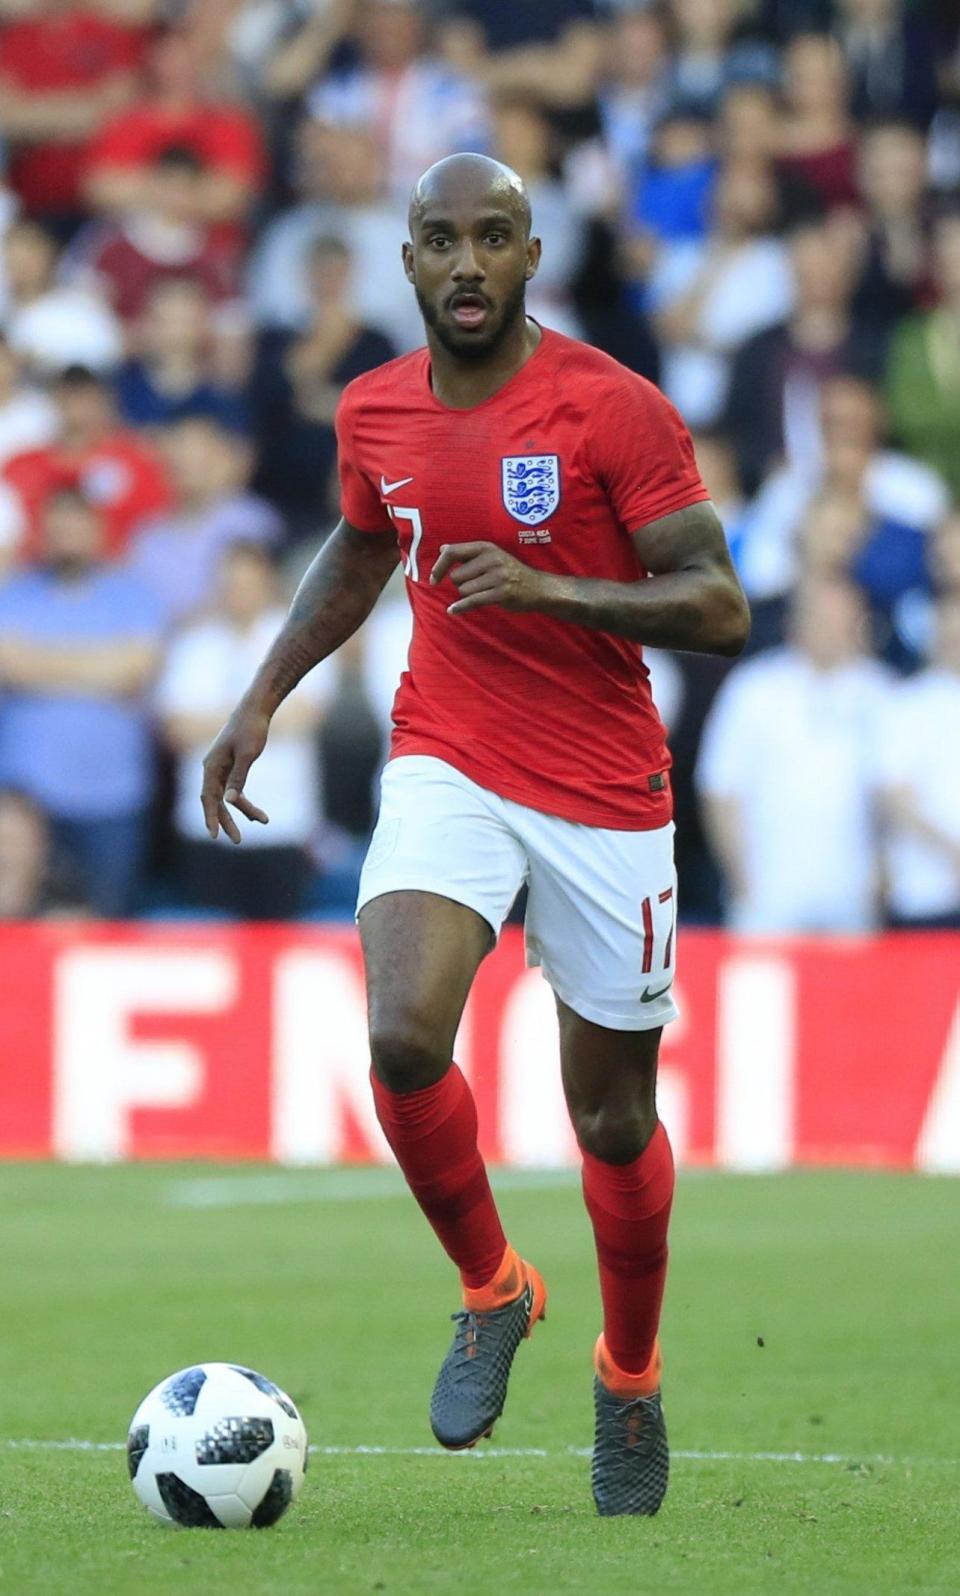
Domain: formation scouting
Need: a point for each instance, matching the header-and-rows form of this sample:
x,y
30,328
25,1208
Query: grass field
x,y
816,1314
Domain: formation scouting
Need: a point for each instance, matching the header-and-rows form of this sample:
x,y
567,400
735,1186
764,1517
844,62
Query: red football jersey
x,y
558,467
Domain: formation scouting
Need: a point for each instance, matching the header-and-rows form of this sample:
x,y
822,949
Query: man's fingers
x,y
487,596
239,800
454,554
481,582
228,823
211,798
210,804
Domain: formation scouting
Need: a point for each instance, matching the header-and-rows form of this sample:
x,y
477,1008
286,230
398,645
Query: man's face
x,y
469,261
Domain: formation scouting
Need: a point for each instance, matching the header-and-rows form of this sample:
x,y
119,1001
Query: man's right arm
x,y
335,597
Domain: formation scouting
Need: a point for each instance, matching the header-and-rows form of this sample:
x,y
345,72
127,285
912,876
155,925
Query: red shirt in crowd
x,y
224,138
121,475
130,273
559,466
58,51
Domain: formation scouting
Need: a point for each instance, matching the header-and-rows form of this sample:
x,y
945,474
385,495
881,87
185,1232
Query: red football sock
x,y
433,1133
629,1206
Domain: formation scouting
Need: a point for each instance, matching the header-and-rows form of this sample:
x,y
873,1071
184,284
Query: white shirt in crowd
x,y
796,748
919,748
895,488
208,666
743,291
66,327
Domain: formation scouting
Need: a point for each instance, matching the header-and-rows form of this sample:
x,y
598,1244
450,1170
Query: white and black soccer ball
x,y
217,1446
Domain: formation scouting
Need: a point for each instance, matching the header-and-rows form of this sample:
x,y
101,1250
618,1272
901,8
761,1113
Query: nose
x,y
467,267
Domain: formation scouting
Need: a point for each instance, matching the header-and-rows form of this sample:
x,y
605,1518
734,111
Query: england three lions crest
x,y
531,486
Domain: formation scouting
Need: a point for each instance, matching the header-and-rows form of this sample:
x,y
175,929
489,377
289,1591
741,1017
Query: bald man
x,y
548,513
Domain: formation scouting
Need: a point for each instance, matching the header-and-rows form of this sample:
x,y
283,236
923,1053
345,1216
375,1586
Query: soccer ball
x,y
217,1446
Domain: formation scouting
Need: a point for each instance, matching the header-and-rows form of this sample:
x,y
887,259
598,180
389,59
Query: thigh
x,y
601,919
420,953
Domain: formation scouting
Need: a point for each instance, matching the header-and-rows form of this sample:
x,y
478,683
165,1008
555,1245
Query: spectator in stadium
x,y
923,374
671,196
708,56
415,106
32,887
172,375
816,143
179,112
633,93
111,464
899,496
785,772
524,140
49,323
284,64
65,70
918,754
28,416
338,181
207,665
298,382
773,400
159,238
710,296
78,647
891,56
176,554
895,267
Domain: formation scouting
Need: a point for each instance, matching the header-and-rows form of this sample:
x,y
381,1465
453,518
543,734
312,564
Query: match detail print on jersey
x,y
531,486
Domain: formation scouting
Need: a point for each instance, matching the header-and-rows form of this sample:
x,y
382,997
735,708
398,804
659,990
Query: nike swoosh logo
x,y
648,996
386,488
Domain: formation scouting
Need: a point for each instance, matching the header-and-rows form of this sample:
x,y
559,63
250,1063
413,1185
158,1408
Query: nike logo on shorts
x,y
386,488
647,996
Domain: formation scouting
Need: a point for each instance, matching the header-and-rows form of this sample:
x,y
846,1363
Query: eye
x,y
494,238
438,241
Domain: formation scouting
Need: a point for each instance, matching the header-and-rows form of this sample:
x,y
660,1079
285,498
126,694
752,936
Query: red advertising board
x,y
249,1043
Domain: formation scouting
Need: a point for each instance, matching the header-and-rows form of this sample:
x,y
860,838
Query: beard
x,y
467,346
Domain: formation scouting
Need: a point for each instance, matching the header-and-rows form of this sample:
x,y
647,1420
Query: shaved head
x,y
471,178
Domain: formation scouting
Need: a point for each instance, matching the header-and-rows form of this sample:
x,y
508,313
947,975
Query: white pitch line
x,y
334,1186
837,1459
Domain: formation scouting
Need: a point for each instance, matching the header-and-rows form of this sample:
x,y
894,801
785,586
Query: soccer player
x,y
546,506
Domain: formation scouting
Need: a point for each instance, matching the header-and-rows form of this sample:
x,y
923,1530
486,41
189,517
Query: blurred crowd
x,y
756,203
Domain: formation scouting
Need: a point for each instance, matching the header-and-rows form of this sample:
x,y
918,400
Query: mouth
x,y
469,310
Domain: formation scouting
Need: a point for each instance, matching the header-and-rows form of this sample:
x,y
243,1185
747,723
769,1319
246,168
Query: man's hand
x,y
486,574
225,770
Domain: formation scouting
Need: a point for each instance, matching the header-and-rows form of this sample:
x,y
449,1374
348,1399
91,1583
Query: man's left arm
x,y
691,598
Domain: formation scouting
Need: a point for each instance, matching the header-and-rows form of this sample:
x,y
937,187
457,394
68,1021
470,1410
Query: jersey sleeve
x,y
360,502
643,454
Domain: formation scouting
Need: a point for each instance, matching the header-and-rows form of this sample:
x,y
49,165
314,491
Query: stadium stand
x,y
756,202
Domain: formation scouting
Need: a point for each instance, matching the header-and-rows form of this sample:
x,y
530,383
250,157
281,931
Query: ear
x,y
407,254
534,248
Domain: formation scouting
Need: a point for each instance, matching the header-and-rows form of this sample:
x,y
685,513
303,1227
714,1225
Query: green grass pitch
x,y
813,1313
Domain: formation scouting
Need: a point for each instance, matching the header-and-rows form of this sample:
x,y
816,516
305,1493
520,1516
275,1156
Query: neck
x,y
461,384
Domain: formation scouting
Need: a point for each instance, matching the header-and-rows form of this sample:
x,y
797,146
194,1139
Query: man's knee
x,y
406,1052
612,1133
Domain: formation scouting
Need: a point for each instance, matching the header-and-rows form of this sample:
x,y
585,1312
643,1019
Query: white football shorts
x,y
601,904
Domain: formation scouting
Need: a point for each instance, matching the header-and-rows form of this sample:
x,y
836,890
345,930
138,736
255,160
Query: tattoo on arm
x,y
691,598
336,595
